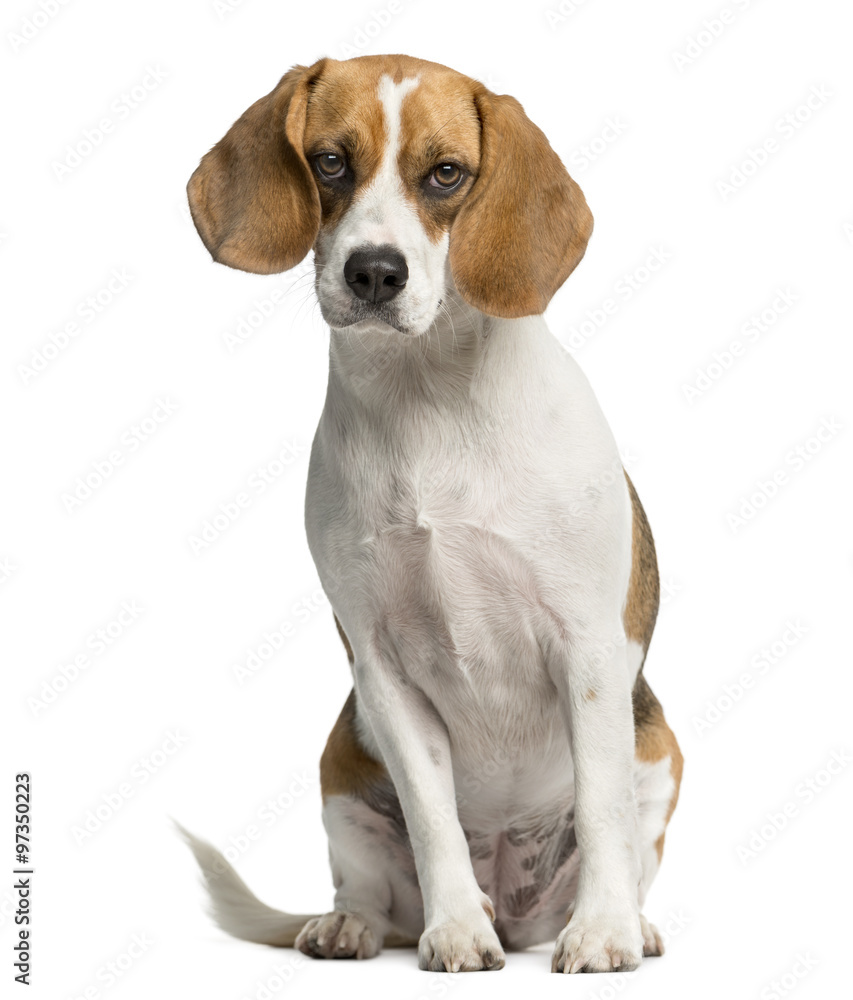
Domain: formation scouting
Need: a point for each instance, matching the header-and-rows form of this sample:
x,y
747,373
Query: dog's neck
x,y
464,351
374,365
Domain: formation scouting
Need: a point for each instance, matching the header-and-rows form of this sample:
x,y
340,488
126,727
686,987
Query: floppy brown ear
x,y
525,224
252,198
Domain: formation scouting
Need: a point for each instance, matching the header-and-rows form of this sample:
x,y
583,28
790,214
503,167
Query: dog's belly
x,y
530,872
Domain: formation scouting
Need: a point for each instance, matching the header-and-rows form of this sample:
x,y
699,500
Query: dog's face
x,y
394,158
406,178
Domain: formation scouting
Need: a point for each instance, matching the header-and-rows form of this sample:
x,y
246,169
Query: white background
x,y
735,923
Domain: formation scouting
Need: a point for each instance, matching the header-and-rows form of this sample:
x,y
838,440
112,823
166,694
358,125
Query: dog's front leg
x,y
603,933
415,747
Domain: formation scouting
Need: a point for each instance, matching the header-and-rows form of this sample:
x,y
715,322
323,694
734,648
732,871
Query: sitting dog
x,y
501,774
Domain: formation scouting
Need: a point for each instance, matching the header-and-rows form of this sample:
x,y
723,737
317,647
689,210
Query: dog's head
x,y
405,177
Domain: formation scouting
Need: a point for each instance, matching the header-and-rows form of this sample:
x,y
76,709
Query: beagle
x,y
501,773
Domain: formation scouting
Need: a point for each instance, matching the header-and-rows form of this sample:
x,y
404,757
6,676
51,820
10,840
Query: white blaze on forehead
x,y
382,214
391,96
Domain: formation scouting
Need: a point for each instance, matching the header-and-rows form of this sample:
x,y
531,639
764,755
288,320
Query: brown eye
x,y
330,165
446,176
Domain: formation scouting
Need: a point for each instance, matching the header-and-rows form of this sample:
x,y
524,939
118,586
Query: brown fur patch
x,y
438,124
253,198
654,740
641,607
345,767
525,225
344,116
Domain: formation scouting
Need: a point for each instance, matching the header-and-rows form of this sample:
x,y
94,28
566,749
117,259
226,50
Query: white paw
x,y
338,935
600,944
461,945
652,942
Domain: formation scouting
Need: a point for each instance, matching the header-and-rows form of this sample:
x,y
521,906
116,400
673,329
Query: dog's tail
x,y
239,912
233,905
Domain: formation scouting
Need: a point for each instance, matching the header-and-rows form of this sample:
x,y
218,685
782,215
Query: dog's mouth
x,y
363,317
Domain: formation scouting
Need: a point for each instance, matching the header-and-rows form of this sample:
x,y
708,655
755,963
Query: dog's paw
x,y
338,935
601,944
652,941
461,946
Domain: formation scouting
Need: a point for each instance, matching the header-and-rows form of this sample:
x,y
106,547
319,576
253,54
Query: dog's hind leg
x,y
377,897
657,758
657,776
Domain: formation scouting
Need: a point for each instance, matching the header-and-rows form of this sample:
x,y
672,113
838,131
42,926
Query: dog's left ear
x,y
253,199
525,224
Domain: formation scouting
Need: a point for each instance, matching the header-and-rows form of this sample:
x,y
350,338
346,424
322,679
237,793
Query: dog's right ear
x,y
253,199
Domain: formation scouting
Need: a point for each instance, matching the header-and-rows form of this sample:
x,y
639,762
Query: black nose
x,y
376,274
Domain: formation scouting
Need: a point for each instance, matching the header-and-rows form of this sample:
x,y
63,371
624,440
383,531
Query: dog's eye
x,y
446,176
330,165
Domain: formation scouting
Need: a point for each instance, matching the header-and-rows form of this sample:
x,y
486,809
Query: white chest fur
x,y
465,498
